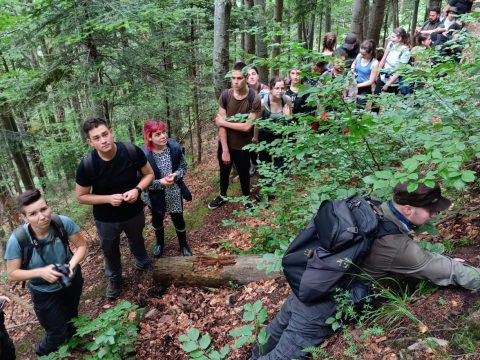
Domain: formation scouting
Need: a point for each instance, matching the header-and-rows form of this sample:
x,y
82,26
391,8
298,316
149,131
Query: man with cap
x,y
299,325
349,49
446,27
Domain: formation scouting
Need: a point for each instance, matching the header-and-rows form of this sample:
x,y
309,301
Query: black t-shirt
x,y
463,6
113,177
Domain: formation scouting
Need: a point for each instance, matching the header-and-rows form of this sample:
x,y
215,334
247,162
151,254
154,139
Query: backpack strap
x,y
132,153
88,165
251,98
224,98
26,245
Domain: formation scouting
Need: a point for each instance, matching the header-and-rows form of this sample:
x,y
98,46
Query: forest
x,y
65,61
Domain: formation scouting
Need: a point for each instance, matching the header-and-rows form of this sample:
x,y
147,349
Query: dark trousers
x,y
109,234
54,310
7,350
241,159
391,89
296,327
177,219
362,96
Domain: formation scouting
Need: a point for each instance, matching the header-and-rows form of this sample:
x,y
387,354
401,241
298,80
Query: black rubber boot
x,y
182,241
158,249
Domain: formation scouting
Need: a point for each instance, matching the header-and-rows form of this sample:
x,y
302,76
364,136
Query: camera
x,y
63,269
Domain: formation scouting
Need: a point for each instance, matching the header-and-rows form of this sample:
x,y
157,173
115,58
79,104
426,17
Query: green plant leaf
x,y
468,176
193,334
239,342
189,346
205,341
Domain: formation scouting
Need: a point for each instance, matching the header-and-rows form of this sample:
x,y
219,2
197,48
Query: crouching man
x,y
39,252
299,325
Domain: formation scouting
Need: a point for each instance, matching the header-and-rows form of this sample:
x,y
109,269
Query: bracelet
x,y
139,190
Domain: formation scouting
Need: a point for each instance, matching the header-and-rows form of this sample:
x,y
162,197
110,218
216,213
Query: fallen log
x,y
210,271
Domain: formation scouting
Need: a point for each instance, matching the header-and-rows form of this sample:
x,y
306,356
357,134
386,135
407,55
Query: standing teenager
x,y
166,193
111,178
55,290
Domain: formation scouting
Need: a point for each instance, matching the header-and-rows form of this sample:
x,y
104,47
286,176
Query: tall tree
x,y
261,46
328,15
221,25
413,24
249,37
277,38
395,15
377,12
358,14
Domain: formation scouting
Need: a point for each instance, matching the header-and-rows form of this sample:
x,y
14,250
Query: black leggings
x,y
241,159
177,219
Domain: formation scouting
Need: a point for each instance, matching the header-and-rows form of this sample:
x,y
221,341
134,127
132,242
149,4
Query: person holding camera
x,y
39,252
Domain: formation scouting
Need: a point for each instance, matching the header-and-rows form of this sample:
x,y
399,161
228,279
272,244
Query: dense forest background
x,y
64,61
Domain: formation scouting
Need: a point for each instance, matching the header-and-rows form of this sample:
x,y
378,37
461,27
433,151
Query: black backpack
x,y
88,159
325,255
27,245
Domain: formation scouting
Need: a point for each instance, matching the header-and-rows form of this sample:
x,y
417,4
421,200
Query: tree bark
x,y
277,39
261,51
221,26
395,20
413,25
377,13
249,38
210,271
17,149
366,19
320,24
328,16
193,78
358,14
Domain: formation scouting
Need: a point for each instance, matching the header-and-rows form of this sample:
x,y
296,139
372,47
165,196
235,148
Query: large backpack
x,y
325,255
28,242
88,159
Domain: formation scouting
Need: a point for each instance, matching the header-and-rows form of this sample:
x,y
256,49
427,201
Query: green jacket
x,y
399,254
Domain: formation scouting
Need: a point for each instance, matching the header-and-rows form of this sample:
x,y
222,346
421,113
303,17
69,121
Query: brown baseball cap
x,y
423,197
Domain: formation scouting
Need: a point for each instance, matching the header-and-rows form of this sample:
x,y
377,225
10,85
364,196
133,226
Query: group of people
x,y
115,174
111,178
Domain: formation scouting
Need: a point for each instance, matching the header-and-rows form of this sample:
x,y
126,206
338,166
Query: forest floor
x,y
172,311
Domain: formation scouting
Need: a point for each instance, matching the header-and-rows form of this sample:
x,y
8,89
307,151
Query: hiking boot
x,y
114,288
217,202
157,251
182,241
248,205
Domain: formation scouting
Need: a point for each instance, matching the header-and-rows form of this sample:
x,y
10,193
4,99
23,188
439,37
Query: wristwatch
x,y
139,190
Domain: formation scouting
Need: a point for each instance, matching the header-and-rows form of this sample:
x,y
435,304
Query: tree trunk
x,y
210,271
385,26
358,14
193,78
377,12
413,25
17,149
395,20
366,19
328,15
261,46
277,39
320,24
221,26
249,38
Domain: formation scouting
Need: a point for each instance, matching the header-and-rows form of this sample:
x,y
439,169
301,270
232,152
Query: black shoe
x,y
185,251
217,202
114,288
158,251
248,205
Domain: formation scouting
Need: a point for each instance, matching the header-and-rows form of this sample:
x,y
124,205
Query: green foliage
x,y
254,331
111,335
199,346
437,248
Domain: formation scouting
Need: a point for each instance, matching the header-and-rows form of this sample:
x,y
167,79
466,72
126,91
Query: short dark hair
x,y
254,68
434,8
93,123
240,66
27,197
